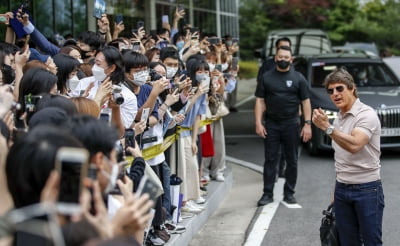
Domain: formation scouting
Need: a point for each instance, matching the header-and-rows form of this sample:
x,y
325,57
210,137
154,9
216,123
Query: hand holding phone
x,y
119,18
129,139
4,18
147,185
72,166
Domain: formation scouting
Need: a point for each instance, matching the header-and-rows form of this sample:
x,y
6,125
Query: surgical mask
x,y
171,71
8,74
282,64
112,178
180,44
212,66
80,60
72,83
224,66
204,79
141,77
98,73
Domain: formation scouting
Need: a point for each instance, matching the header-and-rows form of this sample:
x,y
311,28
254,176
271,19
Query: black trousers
x,y
283,134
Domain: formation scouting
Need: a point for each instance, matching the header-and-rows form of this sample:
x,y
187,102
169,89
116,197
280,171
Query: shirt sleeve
x,y
368,122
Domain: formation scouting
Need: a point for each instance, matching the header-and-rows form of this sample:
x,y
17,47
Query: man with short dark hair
x,y
269,63
355,134
278,95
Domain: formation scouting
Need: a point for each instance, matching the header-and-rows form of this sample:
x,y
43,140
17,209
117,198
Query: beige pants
x,y
188,169
216,165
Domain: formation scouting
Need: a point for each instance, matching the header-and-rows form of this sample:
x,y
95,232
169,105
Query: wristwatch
x,y
308,122
329,130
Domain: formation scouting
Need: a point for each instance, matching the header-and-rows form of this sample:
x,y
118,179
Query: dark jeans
x,y
359,212
285,135
166,197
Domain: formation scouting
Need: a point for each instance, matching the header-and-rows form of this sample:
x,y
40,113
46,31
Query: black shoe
x,y
264,200
290,199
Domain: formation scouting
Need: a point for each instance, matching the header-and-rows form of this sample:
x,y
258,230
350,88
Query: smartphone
x,y
72,166
234,63
235,40
181,7
119,18
145,114
213,40
4,18
146,185
92,172
163,44
136,46
165,19
218,67
129,139
99,8
194,29
139,24
30,104
105,115
193,90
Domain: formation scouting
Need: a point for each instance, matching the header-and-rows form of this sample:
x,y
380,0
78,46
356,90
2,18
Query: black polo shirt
x,y
282,92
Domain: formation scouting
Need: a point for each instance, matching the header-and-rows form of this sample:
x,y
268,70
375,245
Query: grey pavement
x,y
230,206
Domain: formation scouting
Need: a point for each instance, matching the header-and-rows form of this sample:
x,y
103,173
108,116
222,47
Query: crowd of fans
x,y
96,127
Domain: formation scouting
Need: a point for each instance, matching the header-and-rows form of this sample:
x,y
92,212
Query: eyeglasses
x,y
339,88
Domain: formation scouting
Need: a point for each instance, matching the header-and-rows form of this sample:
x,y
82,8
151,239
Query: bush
x,y
248,69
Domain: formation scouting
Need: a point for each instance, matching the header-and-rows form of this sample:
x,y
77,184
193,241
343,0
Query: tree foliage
x,y
344,20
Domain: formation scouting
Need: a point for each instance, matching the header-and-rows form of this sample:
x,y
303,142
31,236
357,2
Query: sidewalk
x,y
230,207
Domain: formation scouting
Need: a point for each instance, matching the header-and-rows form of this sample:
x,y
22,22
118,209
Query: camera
x,y
118,98
154,76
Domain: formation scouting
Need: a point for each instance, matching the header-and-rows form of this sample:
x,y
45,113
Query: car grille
x,y
389,117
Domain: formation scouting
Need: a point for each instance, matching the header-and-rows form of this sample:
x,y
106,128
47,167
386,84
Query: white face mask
x,y
112,178
171,71
212,66
224,66
98,73
72,83
140,78
80,60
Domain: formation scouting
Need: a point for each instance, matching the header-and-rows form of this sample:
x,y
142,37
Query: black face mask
x,y
85,54
283,64
8,74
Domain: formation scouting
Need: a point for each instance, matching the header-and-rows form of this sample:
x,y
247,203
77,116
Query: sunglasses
x,y
339,88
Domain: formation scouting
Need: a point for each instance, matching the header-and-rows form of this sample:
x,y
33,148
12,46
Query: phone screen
x,y
70,182
139,24
105,117
234,63
146,185
99,8
218,67
118,19
130,138
145,114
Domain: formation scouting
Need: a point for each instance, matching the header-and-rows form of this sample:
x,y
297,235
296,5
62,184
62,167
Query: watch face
x,y
329,130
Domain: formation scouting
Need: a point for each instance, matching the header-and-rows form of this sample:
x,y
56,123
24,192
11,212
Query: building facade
x,y
220,17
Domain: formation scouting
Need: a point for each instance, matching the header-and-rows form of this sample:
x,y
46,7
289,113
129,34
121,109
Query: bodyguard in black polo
x,y
279,94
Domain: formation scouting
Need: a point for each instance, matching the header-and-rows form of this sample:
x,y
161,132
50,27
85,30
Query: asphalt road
x,y
316,179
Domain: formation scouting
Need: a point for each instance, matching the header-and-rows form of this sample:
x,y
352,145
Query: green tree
x,y
253,27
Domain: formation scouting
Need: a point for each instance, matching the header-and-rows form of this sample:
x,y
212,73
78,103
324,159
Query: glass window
x,y
364,74
229,26
228,6
205,21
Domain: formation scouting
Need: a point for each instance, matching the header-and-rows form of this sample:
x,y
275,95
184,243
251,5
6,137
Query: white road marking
x,y
245,101
261,226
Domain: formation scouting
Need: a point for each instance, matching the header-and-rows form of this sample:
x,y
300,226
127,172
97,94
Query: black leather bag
x,y
327,231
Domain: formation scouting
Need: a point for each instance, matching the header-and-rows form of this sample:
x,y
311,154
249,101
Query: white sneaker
x,y
192,204
189,208
220,177
206,178
201,200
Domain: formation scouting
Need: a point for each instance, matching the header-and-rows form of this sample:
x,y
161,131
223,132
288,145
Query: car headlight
x,y
331,114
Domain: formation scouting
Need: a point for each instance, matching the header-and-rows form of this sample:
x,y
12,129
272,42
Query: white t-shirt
x,y
128,108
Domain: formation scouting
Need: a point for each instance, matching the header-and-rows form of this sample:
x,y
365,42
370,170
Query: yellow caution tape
x,y
153,151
